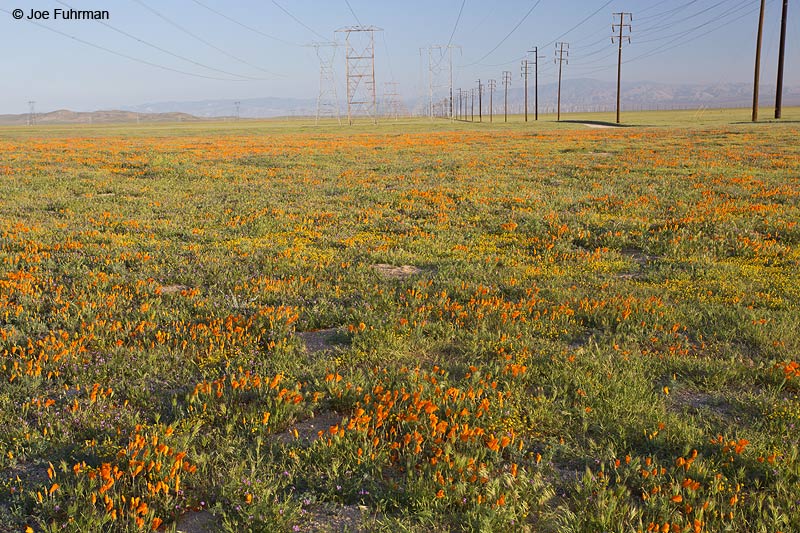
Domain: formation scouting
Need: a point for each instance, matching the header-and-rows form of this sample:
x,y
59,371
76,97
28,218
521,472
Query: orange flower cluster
x,y
453,436
143,476
790,369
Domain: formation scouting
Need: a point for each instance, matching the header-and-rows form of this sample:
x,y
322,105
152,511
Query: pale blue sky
x,y
59,72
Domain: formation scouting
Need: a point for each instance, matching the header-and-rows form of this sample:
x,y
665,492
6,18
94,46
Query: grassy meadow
x,y
414,326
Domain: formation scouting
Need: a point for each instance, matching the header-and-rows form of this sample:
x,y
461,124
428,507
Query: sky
x,y
182,50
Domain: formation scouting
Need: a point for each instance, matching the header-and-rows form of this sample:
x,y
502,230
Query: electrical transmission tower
x,y
31,113
393,107
506,83
237,104
327,100
360,64
440,60
562,56
536,58
492,87
620,38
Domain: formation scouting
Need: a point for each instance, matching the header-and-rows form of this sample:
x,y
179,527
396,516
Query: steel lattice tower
x,y
360,64
392,105
328,99
440,61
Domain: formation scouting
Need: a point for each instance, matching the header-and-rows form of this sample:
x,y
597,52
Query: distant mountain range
x,y
64,116
248,108
577,95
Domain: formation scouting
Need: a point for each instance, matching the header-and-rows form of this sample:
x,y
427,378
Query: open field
x,y
415,326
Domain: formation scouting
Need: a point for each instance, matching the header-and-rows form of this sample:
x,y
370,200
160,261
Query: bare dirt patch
x,y
397,272
307,431
699,401
641,259
322,340
173,289
197,522
331,518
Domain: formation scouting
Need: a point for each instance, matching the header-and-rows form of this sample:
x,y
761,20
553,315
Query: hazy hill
x,y
248,108
580,94
64,116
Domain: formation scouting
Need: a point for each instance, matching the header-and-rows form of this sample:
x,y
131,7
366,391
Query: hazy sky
x,y
256,47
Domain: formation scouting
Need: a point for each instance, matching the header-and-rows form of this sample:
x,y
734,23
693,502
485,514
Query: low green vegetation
x,y
415,326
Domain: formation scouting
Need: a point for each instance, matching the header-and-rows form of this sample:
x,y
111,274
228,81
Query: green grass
x,y
699,118
598,332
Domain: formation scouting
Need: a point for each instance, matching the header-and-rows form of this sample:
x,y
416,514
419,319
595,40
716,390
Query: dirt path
x,y
601,126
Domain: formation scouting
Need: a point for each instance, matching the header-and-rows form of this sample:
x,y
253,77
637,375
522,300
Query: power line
x,y
507,35
353,12
678,41
548,44
126,56
674,43
200,39
243,25
458,19
576,26
388,56
303,24
160,49
677,36
660,24
668,11
743,4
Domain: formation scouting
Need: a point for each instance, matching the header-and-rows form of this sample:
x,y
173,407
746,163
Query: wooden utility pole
x,y
492,86
480,101
620,38
536,59
781,56
562,55
506,83
525,69
758,60
472,105
458,111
